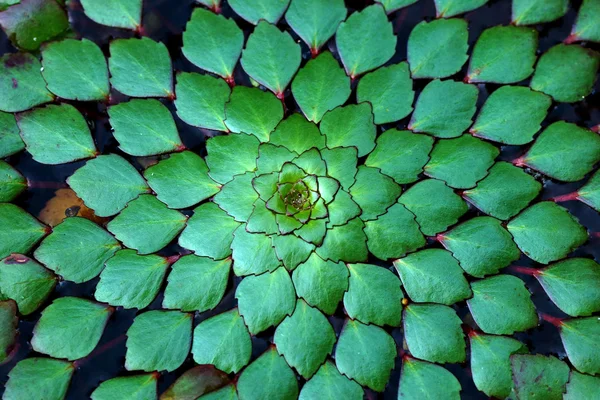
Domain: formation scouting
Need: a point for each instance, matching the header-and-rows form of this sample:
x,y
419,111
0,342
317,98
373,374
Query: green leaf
x,y
374,192
374,295
573,285
201,100
297,134
66,318
10,140
490,363
394,233
228,392
461,162
21,84
305,339
546,232
195,382
52,378
345,242
209,221
30,23
566,72
590,192
448,118
130,280
268,377
77,249
223,341
433,276
262,220
135,387
366,354
56,134
538,376
329,384
75,70
140,68
265,300
420,380
504,192
9,323
118,13
158,340
434,205
252,111
351,125
481,245
502,305
365,40
579,337
320,86
291,250
586,26
237,197
26,282
432,332
341,164
12,183
342,209
582,386
511,115
20,231
255,10
252,252
223,164
530,12
321,283
271,158
107,183
196,283
450,8
212,42
438,49
271,57
393,5
389,90
315,21
503,54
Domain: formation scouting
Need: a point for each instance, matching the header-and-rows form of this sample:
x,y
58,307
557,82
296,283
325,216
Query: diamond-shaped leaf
x,y
329,384
21,83
585,27
345,242
201,100
10,140
315,21
539,376
393,5
255,10
199,380
12,183
351,125
19,231
579,337
253,253
52,378
118,13
420,379
581,386
450,8
529,12
252,111
237,197
373,192
268,377
142,386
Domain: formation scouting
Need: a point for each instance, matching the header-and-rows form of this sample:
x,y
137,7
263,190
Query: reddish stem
x,y
172,259
99,350
46,185
467,79
565,197
525,270
230,81
595,234
140,30
439,237
314,52
596,128
520,162
216,8
557,322
571,39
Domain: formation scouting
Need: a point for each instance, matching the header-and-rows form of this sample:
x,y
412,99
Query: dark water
x,y
165,20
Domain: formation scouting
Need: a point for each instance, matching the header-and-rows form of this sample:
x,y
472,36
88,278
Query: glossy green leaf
x,y
432,333
201,100
209,221
56,134
351,125
481,245
26,282
503,54
10,140
223,341
253,253
130,280
8,324
586,26
582,386
511,115
590,192
255,10
345,242
320,86
546,232
12,183
237,197
223,164
265,300
365,40
502,305
228,392
271,57
196,382
529,12
52,378
136,387
444,119
291,250
573,285
341,164
420,380
19,231
435,205
461,162
538,376
437,49
213,43
342,209
66,318
329,384
158,340
77,249
450,8
566,72
579,337
268,377
373,192
366,354
504,192
140,68
118,13
107,183
305,339
315,21
433,276
252,111
297,134
393,5
21,83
